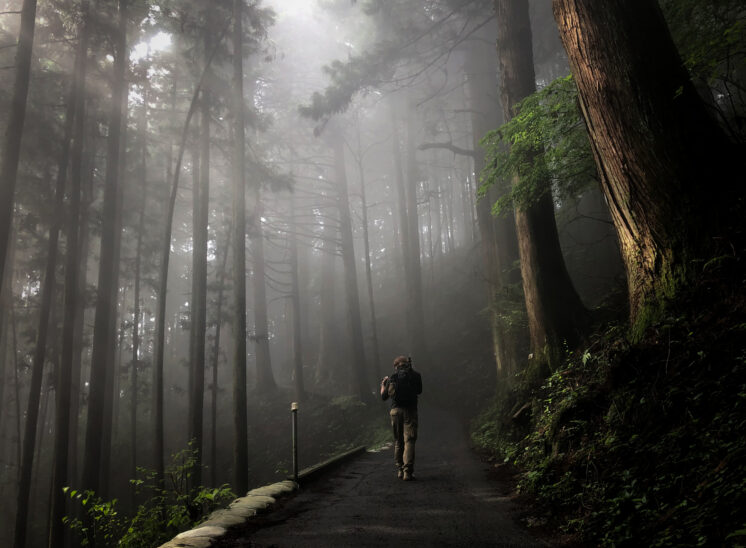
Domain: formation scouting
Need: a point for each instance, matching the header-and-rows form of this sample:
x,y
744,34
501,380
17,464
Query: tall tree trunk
x,y
401,203
240,414
499,243
143,131
6,297
265,381
199,273
105,306
654,144
295,301
112,398
326,371
368,271
350,270
415,302
216,361
160,328
73,113
14,131
57,536
80,314
555,313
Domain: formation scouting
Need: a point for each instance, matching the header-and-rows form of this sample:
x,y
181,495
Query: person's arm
x,y
384,388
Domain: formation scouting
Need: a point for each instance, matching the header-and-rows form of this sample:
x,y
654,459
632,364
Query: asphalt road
x,y
362,503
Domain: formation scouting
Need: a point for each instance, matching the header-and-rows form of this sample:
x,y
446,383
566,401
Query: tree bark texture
x,y
240,413
657,149
555,313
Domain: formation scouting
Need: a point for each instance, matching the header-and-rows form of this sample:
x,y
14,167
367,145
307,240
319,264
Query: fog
x,y
366,234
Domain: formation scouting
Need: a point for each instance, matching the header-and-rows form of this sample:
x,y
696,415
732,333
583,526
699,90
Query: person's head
x,y
401,362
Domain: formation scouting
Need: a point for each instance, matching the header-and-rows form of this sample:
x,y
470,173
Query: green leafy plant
x,y
166,511
544,145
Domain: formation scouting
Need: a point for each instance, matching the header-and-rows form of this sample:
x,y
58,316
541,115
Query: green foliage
x,y
638,443
167,510
711,38
545,144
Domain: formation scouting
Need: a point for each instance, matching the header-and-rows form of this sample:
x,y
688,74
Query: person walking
x,y
403,387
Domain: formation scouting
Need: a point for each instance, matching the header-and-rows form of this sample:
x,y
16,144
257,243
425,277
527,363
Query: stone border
x,y
257,501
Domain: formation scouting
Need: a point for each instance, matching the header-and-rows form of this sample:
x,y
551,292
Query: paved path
x,y
362,503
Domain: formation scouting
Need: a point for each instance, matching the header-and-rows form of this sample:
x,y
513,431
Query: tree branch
x,y
448,146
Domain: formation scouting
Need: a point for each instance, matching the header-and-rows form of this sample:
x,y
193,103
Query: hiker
x,y
403,387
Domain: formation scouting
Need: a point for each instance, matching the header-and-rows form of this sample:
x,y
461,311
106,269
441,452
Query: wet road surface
x,y
362,503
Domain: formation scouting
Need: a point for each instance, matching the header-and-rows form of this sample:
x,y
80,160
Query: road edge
x,y
257,501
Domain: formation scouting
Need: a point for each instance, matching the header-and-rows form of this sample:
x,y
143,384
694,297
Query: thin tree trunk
x,y
350,271
556,316
401,201
368,271
14,132
300,391
325,366
265,381
216,360
240,418
143,131
113,375
105,307
415,307
160,336
74,109
79,320
499,243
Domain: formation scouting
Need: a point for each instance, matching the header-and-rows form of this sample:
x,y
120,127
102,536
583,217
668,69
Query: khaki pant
x,y
404,425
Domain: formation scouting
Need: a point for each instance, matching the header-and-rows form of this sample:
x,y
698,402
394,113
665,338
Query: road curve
x,y
363,503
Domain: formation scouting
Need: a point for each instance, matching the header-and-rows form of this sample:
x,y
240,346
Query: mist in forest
x,y
213,209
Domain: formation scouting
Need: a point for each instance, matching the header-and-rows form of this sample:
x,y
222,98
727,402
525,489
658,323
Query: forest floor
x,y
455,501
639,442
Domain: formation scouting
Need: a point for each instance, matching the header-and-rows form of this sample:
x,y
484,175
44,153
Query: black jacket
x,y
414,381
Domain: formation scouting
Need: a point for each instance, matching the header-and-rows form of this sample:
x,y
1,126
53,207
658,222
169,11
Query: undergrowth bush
x,y
166,511
638,444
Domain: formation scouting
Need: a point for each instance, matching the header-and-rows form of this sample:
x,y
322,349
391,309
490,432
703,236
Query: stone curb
x,y
310,473
256,501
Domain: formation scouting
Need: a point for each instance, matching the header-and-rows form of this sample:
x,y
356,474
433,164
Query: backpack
x,y
404,389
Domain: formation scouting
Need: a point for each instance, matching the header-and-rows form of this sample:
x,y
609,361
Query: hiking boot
x,y
408,476
400,474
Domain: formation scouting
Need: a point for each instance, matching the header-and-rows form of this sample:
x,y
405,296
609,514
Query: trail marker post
x,y
294,412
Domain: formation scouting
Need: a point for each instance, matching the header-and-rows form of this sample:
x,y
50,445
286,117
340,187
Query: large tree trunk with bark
x,y
556,316
240,413
655,145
